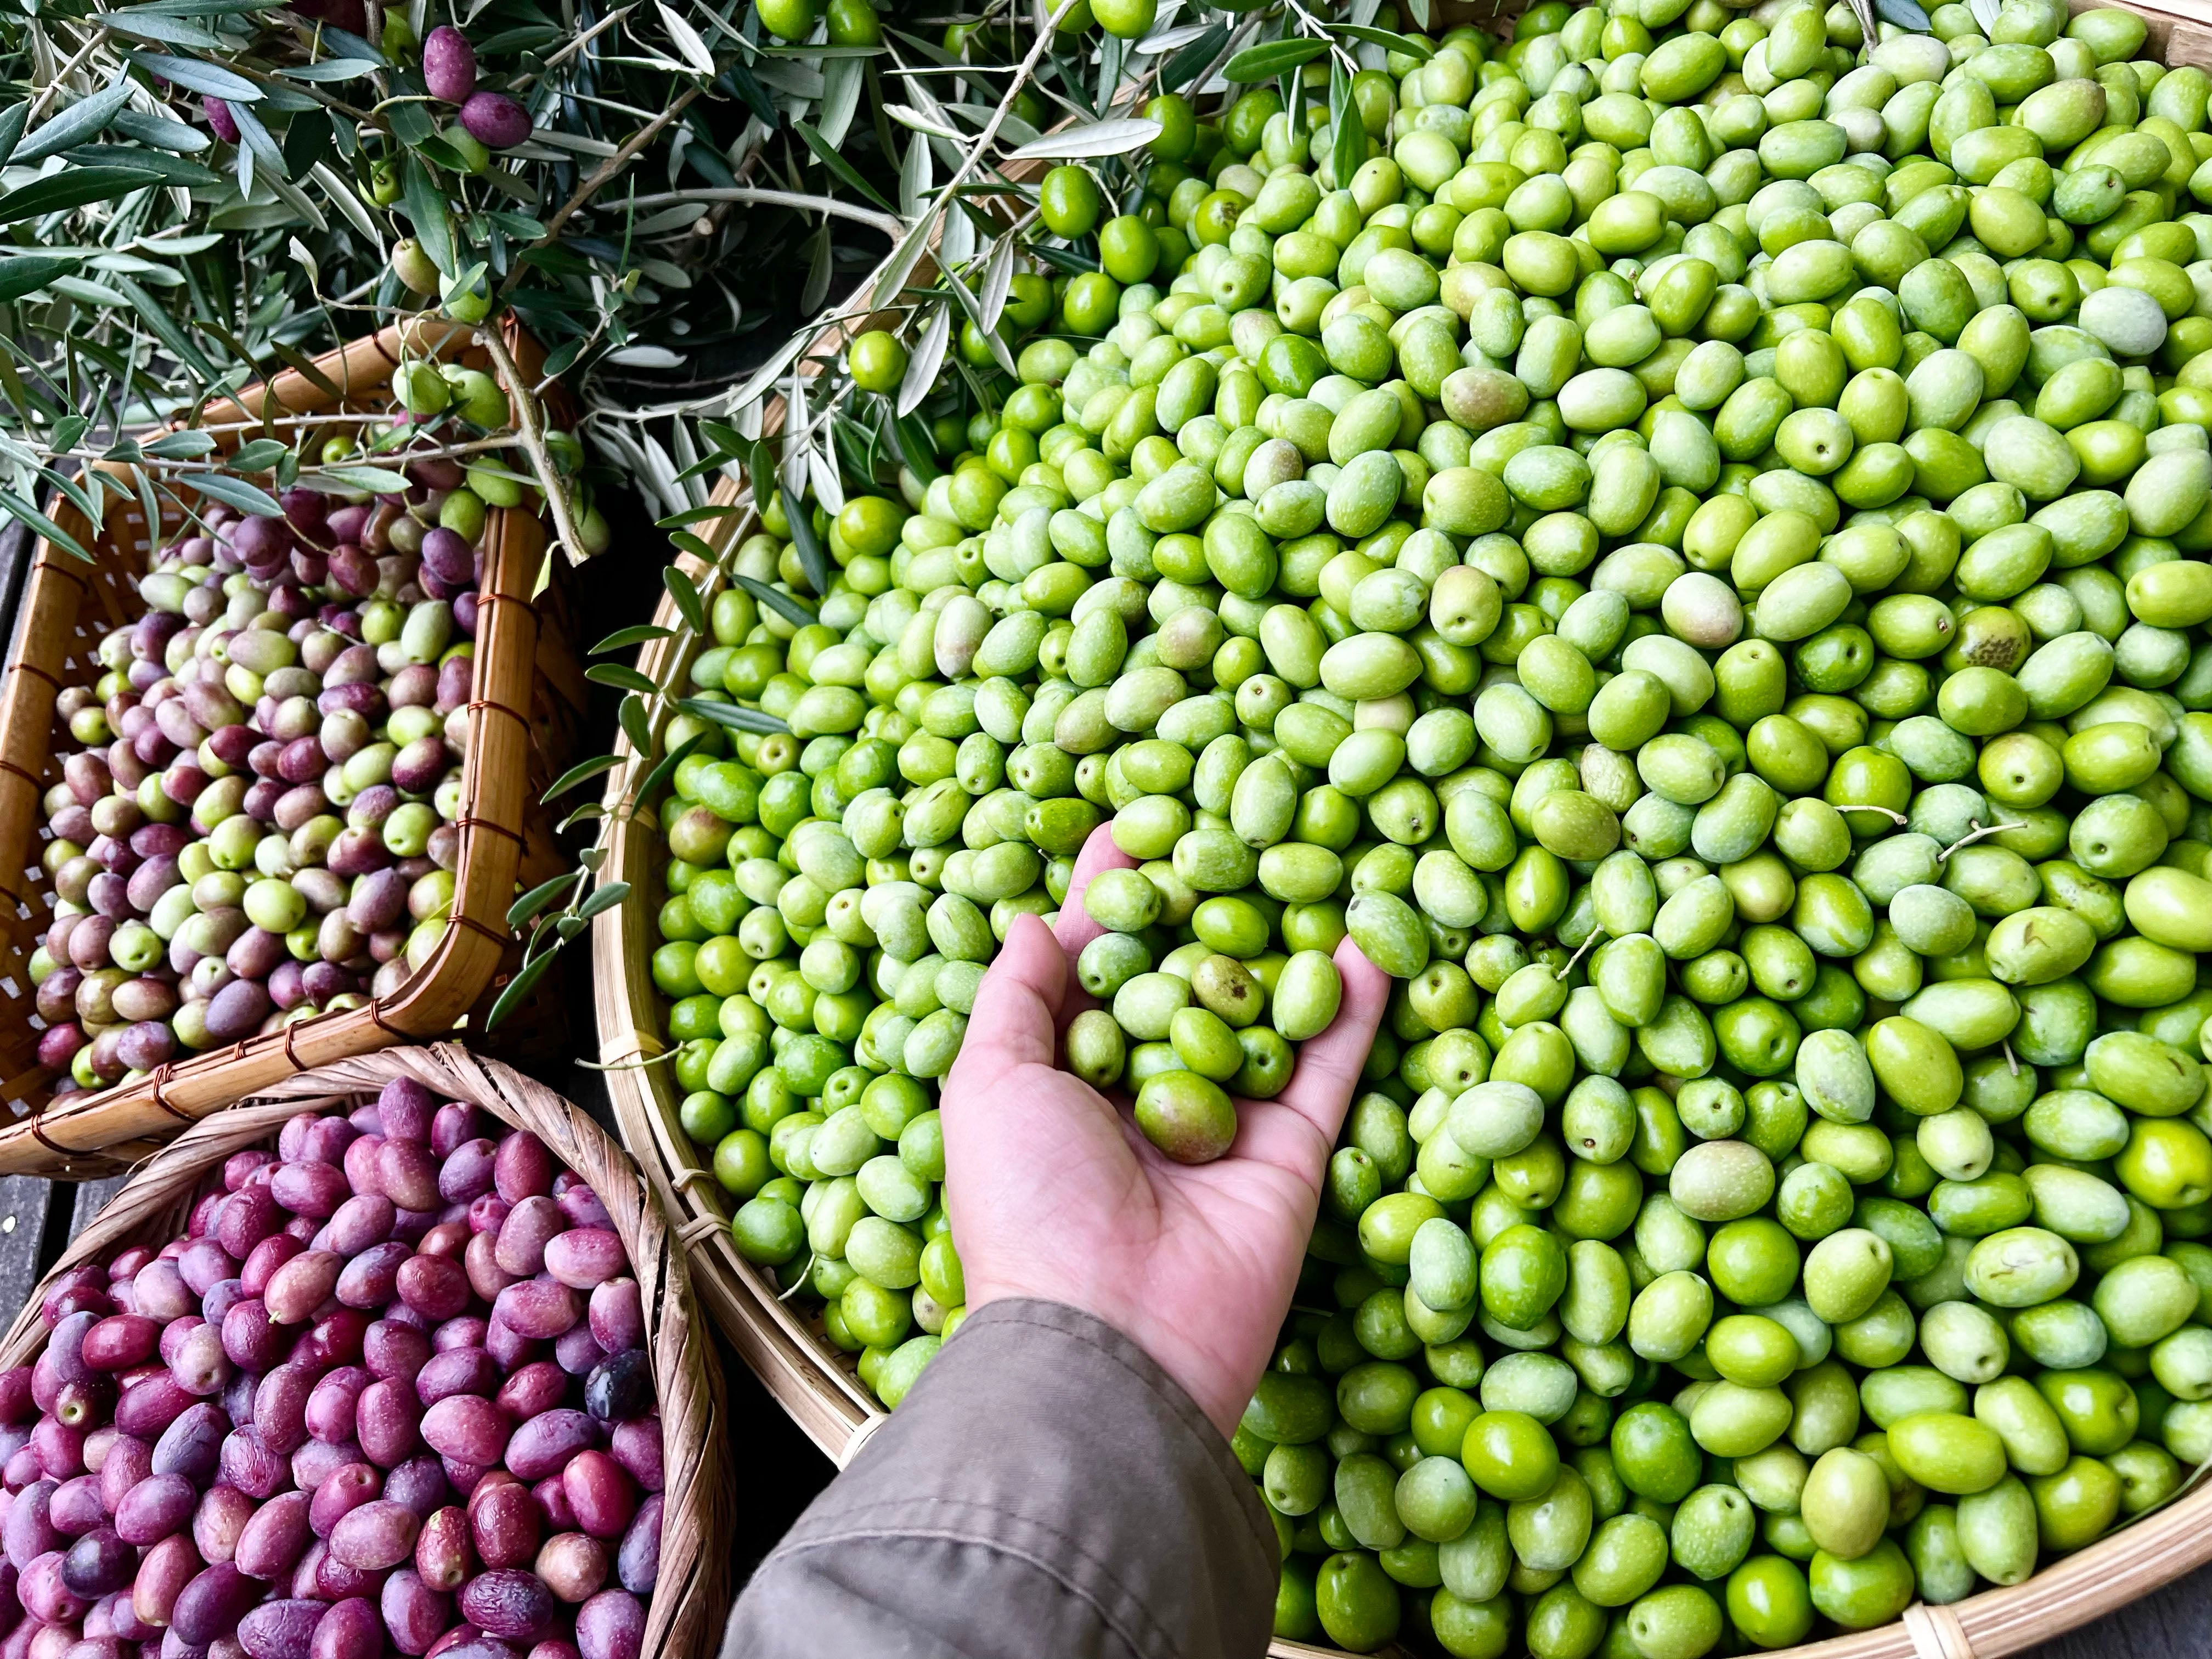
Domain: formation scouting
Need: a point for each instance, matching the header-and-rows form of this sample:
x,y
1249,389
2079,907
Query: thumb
x,y
1013,1021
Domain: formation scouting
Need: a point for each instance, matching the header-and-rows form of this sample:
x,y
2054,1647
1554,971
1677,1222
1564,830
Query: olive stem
x,y
533,442
606,170
800,1283
984,139
578,44
1560,977
60,76
2012,1062
164,464
1976,829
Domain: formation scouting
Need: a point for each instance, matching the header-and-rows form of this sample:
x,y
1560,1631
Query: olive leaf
x,y
1270,59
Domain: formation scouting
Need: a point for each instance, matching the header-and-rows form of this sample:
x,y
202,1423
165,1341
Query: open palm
x,y
1054,1193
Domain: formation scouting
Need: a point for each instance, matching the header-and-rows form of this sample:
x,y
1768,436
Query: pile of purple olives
x,y
388,1394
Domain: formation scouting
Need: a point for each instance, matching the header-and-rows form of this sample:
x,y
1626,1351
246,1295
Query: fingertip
x,y
1366,987
1035,958
1017,1005
1329,1063
1075,929
1100,852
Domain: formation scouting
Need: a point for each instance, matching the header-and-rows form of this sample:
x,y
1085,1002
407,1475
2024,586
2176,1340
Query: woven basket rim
x,y
684,1610
86,1133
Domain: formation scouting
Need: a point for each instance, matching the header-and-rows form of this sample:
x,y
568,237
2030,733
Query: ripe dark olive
x,y
619,1386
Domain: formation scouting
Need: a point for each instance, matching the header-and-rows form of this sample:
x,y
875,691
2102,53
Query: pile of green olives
x,y
1694,557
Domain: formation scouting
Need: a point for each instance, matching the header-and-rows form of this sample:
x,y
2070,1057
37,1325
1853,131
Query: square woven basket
x,y
688,1601
524,709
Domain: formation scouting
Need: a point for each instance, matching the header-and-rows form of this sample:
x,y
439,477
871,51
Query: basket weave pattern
x,y
525,707
684,1620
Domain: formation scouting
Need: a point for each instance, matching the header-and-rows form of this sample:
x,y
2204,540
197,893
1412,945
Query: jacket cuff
x,y
1043,1448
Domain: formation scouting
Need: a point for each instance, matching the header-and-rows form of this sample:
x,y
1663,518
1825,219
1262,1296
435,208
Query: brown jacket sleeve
x,y
1046,1491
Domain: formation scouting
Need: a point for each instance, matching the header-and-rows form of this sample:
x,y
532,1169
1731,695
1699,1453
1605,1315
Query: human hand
x,y
1055,1193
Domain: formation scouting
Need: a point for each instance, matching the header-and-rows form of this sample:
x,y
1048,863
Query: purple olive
x,y
145,1045
149,881
162,1292
192,1445
275,1538
309,1189
212,1605
637,1560
620,1388
419,1483
542,1445
333,1407
358,852
416,768
98,1564
532,1391
494,120
58,1046
163,1572
315,1462
361,1222
281,1630
334,1339
288,985
636,1445
414,1614
467,1370
247,1463
145,998
506,1602
353,571
390,1418
236,1011
44,1596
445,554
610,1625
415,686
109,893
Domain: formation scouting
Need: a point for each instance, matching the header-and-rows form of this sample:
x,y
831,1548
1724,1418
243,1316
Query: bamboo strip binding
x,y
525,700
683,1616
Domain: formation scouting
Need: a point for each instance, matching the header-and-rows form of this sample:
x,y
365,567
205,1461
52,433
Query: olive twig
x,y
576,44
533,444
801,1283
606,170
1975,830
1580,952
60,76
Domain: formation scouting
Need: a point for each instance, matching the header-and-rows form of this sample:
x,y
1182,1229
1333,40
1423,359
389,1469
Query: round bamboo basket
x,y
816,1383
524,709
684,1615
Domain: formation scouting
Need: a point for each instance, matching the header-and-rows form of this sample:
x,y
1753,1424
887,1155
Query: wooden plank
x,y
24,1203
2174,1622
